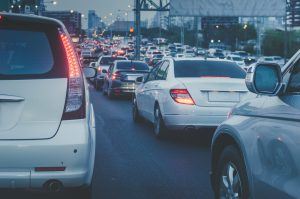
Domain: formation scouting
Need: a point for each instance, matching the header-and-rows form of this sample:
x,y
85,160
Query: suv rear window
x,y
24,53
201,68
139,66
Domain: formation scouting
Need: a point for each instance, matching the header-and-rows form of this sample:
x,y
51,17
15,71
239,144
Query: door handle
x,y
10,98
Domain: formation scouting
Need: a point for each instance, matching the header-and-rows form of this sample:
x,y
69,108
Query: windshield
x,y
138,66
110,60
194,69
237,59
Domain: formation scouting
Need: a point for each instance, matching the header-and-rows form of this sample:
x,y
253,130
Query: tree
x,y
273,43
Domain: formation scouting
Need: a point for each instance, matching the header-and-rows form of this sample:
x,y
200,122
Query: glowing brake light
x,y
182,96
1,18
74,107
73,64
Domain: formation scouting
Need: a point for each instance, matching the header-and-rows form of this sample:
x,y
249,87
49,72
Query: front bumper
x,y
72,147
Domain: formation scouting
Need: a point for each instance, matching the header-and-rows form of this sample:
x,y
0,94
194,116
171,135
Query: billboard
x,y
228,8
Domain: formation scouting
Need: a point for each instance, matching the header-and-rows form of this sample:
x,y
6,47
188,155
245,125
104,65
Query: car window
x,y
202,68
152,75
162,71
294,84
139,66
110,60
16,46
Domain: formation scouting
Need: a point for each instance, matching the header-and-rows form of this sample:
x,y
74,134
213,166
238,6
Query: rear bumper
x,y
123,88
72,147
198,118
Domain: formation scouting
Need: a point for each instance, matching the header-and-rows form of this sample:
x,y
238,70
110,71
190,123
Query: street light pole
x,y
137,29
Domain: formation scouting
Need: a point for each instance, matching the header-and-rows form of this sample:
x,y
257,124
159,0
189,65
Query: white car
x,y
187,94
237,59
47,126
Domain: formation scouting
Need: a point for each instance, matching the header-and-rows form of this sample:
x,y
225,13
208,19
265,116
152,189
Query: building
x,y
121,26
293,13
71,19
94,22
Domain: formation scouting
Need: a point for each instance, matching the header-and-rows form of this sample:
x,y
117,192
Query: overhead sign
x,y
228,8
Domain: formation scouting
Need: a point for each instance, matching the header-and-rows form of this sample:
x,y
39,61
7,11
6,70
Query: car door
x,y
156,90
143,90
278,136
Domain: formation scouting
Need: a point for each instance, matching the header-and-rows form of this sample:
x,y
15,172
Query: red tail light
x,y
116,75
182,96
74,107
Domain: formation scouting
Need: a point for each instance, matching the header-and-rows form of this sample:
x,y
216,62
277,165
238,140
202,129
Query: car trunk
x,y
31,109
215,91
33,80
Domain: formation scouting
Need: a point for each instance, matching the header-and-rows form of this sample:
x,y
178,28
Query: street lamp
x,y
71,11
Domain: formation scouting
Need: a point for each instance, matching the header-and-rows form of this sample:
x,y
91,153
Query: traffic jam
x,y
123,116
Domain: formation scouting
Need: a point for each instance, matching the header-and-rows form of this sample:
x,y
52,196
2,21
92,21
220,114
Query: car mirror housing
x,y
104,71
89,72
264,79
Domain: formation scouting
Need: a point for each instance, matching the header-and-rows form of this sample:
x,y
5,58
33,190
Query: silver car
x,y
255,153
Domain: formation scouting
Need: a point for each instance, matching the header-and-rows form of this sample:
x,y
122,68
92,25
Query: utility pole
x,y
138,29
182,31
286,31
143,5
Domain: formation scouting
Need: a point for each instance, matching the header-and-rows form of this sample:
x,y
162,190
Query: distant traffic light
x,y
131,30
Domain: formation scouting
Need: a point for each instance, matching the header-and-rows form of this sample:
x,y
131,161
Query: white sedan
x,y
188,94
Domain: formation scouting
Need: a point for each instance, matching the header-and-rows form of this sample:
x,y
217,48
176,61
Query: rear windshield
x,y
24,53
110,60
237,59
139,66
201,68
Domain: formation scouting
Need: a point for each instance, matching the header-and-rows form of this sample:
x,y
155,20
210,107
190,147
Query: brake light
x,y
74,107
116,75
182,96
99,70
1,18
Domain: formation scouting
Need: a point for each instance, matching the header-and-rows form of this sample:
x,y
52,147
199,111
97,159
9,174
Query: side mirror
x,y
265,79
139,80
89,72
104,71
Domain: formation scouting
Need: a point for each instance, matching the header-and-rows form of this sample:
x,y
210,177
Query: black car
x,y
121,76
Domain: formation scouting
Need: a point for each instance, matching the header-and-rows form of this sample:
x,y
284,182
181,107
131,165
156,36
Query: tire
x,y
98,86
159,125
137,118
110,94
104,91
231,166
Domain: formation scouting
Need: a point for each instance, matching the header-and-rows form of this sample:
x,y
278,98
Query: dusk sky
x,y
102,7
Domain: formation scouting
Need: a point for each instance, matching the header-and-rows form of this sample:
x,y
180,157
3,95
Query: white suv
x,y
47,129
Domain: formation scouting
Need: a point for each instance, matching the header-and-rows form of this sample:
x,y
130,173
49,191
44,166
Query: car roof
x,y
200,59
34,19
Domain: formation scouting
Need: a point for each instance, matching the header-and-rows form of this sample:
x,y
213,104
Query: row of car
x,y
255,146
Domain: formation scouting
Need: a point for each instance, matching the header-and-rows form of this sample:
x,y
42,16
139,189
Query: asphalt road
x,y
131,163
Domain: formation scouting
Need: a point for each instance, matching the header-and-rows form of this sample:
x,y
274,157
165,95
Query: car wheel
x,y
110,93
104,91
159,126
231,177
135,112
96,85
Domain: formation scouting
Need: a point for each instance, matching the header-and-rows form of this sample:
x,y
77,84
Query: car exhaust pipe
x,y
53,186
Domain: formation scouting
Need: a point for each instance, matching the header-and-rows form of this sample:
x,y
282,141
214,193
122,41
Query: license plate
x,y
223,96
